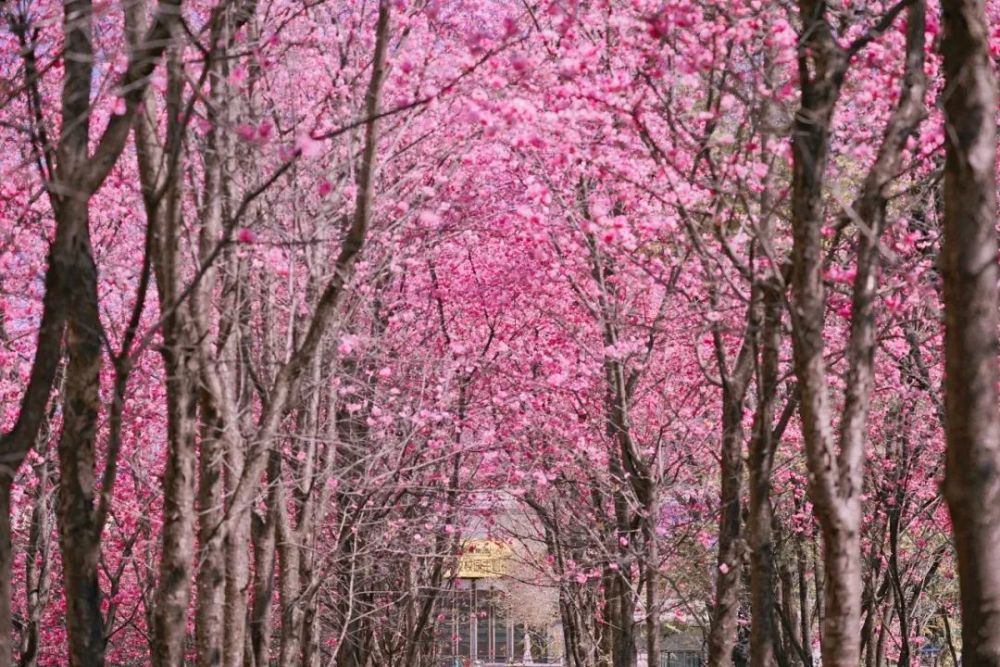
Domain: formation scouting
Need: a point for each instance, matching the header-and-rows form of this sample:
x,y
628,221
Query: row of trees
x,y
292,290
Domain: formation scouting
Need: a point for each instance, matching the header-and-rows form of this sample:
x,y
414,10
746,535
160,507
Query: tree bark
x,y
37,563
289,582
215,422
761,458
811,144
211,577
263,587
158,172
725,611
729,564
78,537
78,530
236,547
969,271
652,558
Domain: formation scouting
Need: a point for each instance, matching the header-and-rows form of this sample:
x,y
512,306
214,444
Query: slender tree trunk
x,y
354,649
176,556
729,564
211,577
319,495
722,635
37,562
884,619
761,457
311,649
837,472
291,533
803,589
161,194
872,597
791,614
898,590
289,583
571,611
6,565
263,587
839,523
214,424
652,558
79,541
969,270
949,638
311,646
237,557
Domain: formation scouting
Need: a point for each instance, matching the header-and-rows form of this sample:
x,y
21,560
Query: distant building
x,y
501,611
481,625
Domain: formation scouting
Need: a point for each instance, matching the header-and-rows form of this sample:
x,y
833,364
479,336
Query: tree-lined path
x,y
682,312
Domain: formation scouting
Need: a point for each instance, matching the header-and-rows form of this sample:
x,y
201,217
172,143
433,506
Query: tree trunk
x,y
173,585
803,588
652,558
79,541
791,619
214,424
289,582
729,564
722,635
37,559
161,195
237,557
839,523
78,530
620,620
73,175
969,271
6,565
211,577
761,457
263,587
837,472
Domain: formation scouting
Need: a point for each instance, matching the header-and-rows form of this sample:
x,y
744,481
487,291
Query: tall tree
x,y
969,271
72,175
